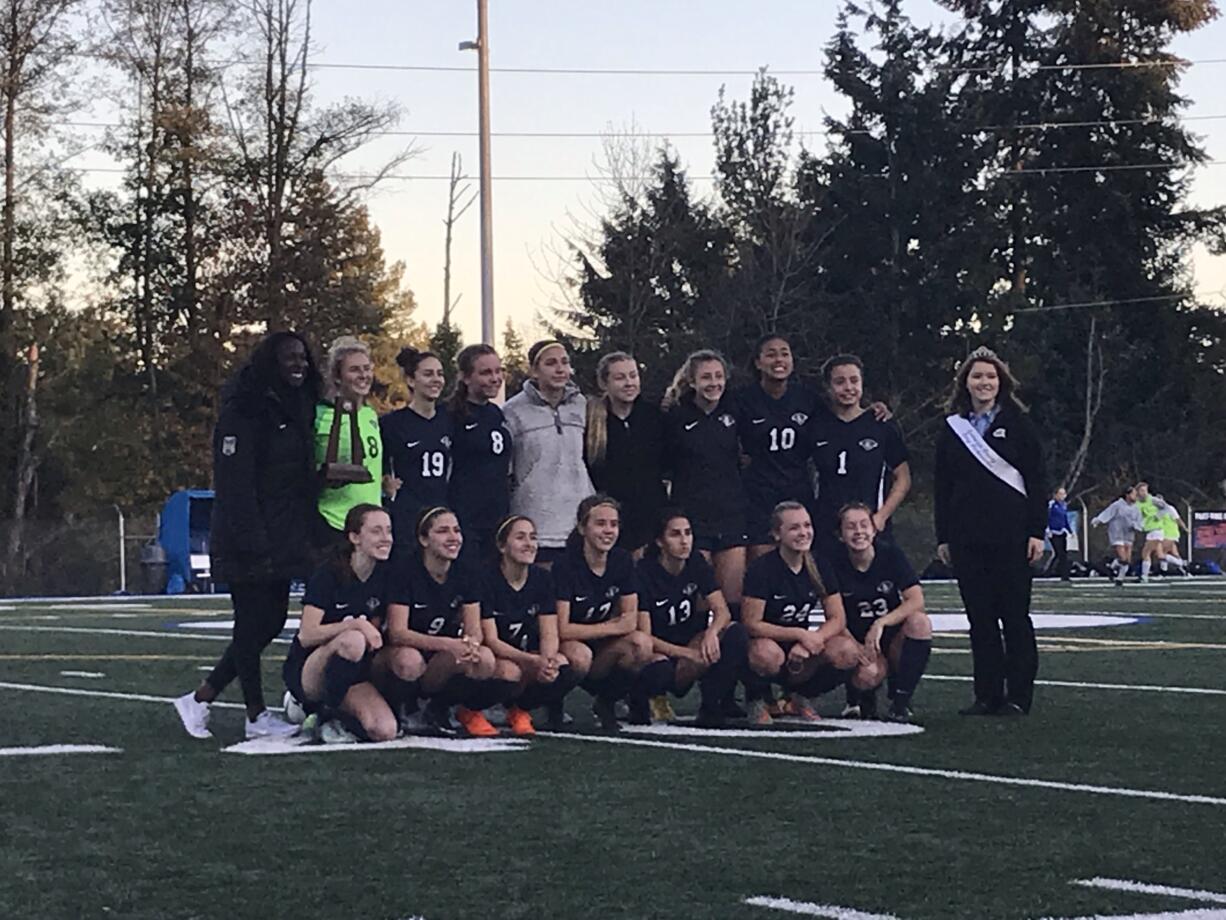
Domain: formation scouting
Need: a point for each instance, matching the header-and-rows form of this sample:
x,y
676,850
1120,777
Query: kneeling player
x,y
782,589
520,623
333,661
689,622
439,620
885,613
597,608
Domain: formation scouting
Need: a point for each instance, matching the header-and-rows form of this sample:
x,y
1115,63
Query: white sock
x,y
1145,567
1174,560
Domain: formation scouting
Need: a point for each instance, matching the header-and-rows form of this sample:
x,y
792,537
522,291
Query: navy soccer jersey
x,y
876,591
790,597
435,608
515,612
481,458
704,456
673,601
770,432
340,597
594,598
853,461
417,451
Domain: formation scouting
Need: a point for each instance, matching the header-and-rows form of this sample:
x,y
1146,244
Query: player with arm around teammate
x,y
684,611
597,608
520,626
885,613
782,589
439,618
336,657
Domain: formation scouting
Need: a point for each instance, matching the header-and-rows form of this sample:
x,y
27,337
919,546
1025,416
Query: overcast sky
x,y
530,216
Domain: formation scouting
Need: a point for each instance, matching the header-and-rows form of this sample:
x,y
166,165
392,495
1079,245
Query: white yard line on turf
x,y
809,909
1166,891
113,695
907,769
47,749
1086,685
92,675
106,631
300,745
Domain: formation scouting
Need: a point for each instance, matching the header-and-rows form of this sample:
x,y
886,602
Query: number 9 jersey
x,y
876,591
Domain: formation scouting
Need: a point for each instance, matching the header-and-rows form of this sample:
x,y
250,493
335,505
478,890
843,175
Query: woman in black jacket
x,y
265,485
991,510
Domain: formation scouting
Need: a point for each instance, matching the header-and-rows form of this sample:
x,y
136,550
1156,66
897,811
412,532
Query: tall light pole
x,y
482,47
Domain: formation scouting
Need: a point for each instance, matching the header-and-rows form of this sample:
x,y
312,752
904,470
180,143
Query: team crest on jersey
x,y
727,420
445,440
690,589
372,604
799,418
229,444
868,444
885,587
611,592
533,609
998,433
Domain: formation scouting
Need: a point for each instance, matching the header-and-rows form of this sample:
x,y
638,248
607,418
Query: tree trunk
x,y
27,465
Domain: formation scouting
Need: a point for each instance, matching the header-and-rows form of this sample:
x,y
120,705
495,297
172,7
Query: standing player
x,y
546,420
438,614
339,647
1152,508
480,451
624,448
597,609
783,589
351,372
885,614
520,623
991,510
689,622
858,457
770,415
1058,530
1123,520
704,460
416,445
1172,524
262,517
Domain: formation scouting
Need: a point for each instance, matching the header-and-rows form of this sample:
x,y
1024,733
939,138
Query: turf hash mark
x,y
43,750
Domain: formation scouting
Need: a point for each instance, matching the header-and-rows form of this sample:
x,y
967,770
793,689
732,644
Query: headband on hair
x,y
545,346
426,516
507,525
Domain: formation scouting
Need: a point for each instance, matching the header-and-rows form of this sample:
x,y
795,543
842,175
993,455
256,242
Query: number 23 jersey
x,y
876,591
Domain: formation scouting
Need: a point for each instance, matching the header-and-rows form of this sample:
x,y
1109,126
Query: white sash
x,y
993,462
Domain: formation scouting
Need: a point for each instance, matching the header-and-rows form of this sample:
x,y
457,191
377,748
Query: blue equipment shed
x,y
183,532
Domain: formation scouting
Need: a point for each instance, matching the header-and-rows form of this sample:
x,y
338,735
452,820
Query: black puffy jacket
x,y
263,476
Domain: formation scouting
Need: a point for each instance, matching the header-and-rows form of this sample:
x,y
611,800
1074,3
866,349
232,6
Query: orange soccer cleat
x,y
520,721
475,724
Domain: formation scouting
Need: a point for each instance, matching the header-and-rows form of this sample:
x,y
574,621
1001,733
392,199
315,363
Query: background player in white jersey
x,y
1123,520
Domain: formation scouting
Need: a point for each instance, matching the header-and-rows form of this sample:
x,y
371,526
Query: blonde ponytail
x,y
596,437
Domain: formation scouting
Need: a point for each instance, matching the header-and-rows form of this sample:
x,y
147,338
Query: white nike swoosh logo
x,y
472,426
420,606
821,443
779,597
662,603
580,600
691,426
758,421
412,443
342,606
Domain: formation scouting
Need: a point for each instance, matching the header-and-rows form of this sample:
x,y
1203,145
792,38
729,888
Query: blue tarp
x,y
184,534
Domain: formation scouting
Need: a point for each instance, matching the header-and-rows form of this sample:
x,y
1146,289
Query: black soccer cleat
x,y
730,709
605,712
868,705
437,717
979,708
1010,711
555,718
640,712
901,714
709,718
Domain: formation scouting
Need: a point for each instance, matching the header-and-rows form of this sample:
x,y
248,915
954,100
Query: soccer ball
x,y
294,712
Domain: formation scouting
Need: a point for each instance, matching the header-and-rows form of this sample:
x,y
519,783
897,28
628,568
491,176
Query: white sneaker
x,y
266,725
335,733
194,715
294,713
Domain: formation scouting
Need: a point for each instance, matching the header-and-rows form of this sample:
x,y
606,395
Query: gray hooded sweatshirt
x,y
548,475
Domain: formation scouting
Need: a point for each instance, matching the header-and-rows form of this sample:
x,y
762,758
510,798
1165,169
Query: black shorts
x,y
291,673
725,536
887,637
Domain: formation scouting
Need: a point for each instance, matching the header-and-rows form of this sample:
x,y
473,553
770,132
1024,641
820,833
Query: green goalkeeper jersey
x,y
335,502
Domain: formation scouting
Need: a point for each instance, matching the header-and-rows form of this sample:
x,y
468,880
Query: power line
x,y
1120,303
1103,65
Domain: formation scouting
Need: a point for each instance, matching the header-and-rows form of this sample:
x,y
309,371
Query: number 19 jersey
x,y
417,451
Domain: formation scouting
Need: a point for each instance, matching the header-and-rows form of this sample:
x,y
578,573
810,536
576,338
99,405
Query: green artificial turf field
x,y
1109,801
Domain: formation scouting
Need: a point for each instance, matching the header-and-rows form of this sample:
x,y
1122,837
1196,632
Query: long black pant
x,y
995,583
260,609
1059,546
